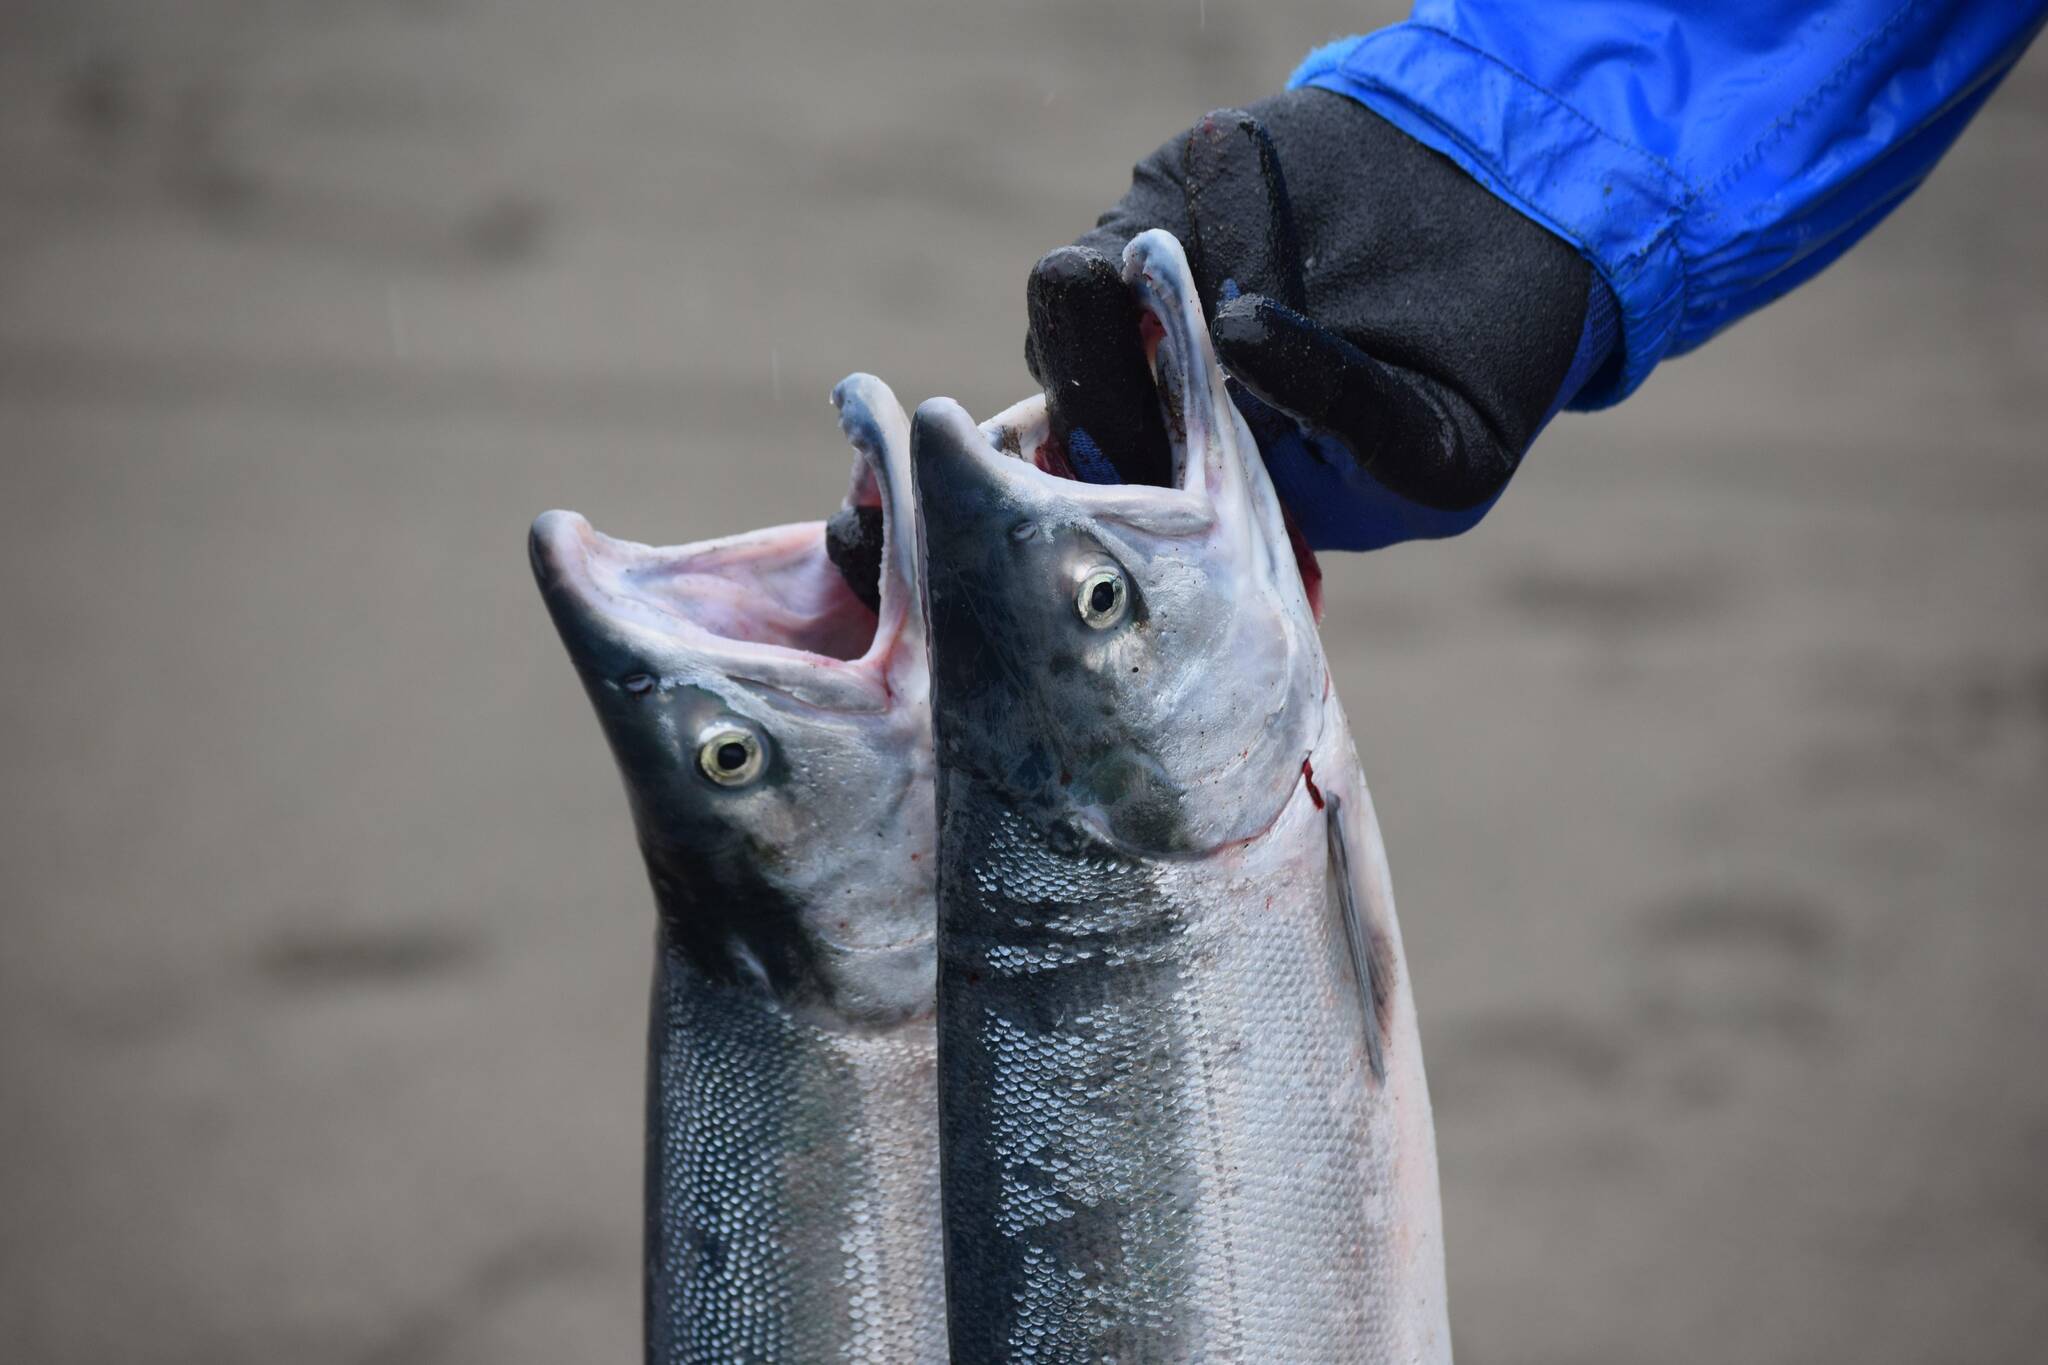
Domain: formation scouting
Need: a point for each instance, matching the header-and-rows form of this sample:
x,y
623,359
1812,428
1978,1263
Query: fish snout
x,y
565,550
959,479
558,540
559,547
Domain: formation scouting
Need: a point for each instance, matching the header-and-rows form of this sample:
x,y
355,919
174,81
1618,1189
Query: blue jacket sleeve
x,y
1706,156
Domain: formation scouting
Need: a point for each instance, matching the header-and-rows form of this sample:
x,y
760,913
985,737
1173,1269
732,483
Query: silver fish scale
x,y
1163,1138
792,1186
1070,1185
1319,1173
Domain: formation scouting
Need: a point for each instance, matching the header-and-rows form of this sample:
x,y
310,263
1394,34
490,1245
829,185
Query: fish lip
x,y
606,595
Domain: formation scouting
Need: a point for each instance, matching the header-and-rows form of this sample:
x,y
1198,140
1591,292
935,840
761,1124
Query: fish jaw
x,y
810,878
1182,725
875,425
767,606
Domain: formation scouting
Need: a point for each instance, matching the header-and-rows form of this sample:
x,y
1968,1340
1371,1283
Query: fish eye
x,y
1102,597
730,755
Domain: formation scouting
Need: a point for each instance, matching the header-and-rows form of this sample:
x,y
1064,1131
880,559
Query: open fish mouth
x,y
817,610
1209,443
1201,420
1170,322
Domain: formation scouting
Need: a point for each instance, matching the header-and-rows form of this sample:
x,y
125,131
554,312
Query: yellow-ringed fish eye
x,y
730,755
1102,597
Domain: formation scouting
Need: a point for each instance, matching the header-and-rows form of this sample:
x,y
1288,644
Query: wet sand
x,y
1714,767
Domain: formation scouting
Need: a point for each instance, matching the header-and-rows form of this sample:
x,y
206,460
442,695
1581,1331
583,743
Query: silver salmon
x,y
773,730
1182,1107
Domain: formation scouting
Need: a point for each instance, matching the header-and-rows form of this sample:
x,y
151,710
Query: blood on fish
x,y
1151,331
1052,458
1305,561
1308,775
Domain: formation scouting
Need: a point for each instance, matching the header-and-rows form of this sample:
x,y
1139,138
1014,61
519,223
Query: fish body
x,y
1182,1107
772,729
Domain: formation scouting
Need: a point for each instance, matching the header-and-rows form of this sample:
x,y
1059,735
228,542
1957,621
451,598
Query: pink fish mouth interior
x,y
777,589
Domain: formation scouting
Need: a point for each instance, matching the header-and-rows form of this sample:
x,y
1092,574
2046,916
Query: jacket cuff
x,y
1618,204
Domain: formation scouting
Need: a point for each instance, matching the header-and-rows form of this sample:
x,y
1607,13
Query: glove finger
x,y
1088,356
1413,433
1154,200
1242,237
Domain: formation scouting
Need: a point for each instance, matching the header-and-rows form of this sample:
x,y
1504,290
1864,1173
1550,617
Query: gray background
x,y
1714,766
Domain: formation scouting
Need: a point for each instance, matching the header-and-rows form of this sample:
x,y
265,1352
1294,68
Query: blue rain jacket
x,y
1705,156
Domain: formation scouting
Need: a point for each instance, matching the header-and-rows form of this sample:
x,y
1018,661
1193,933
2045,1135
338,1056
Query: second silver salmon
x,y
1183,1114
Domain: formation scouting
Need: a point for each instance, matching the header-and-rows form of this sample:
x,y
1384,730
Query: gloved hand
x,y
1402,333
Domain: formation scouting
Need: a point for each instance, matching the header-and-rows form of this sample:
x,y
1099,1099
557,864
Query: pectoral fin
x,y
1371,959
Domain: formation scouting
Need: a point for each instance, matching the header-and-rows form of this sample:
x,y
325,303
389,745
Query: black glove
x,y
1418,330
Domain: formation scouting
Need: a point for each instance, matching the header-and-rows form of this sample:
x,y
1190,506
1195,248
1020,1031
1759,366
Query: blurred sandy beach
x,y
1713,767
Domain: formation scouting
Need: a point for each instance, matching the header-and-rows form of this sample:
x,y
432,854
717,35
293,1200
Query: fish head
x,y
770,719
1135,663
